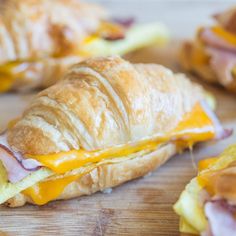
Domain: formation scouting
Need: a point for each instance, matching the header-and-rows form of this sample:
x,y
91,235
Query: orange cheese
x,y
206,179
206,163
65,161
226,35
195,126
110,30
220,181
5,83
45,191
13,71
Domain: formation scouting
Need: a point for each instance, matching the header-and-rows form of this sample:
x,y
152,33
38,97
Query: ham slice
x,y
213,40
16,166
222,62
14,170
220,218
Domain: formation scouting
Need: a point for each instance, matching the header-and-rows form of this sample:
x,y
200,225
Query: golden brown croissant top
x,y
104,102
40,28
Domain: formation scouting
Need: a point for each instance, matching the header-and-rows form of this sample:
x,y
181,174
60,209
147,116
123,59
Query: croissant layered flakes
x,y
107,122
207,206
212,55
40,39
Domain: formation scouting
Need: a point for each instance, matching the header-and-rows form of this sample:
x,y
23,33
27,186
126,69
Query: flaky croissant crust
x,y
103,102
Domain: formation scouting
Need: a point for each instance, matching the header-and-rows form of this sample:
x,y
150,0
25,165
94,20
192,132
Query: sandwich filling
x,y
60,169
212,195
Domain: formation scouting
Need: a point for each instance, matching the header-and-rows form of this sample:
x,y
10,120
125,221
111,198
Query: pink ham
x,y
213,40
222,62
220,218
16,166
14,170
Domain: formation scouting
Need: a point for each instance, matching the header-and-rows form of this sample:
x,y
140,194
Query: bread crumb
x,y
107,190
147,175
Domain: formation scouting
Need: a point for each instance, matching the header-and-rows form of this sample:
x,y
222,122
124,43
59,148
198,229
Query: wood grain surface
x,y
140,207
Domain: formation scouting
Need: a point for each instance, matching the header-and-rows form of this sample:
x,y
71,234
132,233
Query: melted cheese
x,y
5,83
45,191
110,30
13,71
227,36
65,161
206,163
206,180
195,126
219,182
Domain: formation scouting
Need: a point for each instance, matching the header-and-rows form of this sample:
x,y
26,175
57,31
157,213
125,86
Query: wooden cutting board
x,y
140,207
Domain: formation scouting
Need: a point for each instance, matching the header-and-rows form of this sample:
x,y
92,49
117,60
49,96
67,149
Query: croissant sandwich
x,y
107,122
40,39
207,206
212,55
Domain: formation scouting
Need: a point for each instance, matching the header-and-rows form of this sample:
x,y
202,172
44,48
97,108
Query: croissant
x,y
41,39
106,122
211,55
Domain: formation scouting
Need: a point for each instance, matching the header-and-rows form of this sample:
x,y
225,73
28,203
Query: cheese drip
x,y
46,191
195,126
